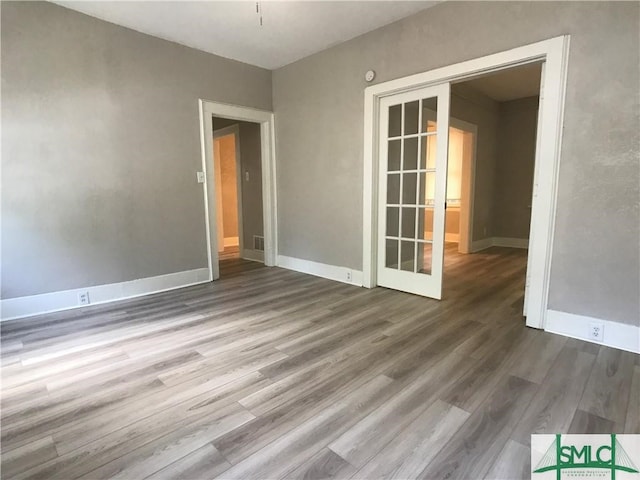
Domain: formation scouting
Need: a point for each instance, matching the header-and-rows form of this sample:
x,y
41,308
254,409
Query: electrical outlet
x,y
596,331
348,275
200,177
83,298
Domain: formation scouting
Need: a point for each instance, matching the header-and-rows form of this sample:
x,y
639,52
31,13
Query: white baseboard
x,y
499,242
452,237
254,255
231,241
510,242
20,307
615,334
331,272
483,244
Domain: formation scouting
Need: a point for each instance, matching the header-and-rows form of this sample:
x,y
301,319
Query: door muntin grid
x,y
410,177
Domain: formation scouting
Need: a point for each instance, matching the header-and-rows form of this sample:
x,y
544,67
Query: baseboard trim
x,y
330,272
21,307
452,237
231,241
485,243
253,255
478,245
615,334
510,242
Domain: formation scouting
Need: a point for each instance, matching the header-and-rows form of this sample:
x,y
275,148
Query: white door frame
x,y
554,52
208,110
235,131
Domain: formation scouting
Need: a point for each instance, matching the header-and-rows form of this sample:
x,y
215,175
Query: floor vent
x,y
258,243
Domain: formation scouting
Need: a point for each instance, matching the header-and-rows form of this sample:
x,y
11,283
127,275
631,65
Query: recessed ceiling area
x,y
509,84
290,30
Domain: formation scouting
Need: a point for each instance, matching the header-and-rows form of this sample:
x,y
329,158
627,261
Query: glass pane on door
x,y
410,180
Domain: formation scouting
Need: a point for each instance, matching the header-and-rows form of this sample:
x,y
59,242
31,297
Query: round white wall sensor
x,y
370,75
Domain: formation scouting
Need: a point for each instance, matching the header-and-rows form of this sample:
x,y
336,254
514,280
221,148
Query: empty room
x,y
315,239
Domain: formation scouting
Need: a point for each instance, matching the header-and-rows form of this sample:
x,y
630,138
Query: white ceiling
x,y
291,29
510,84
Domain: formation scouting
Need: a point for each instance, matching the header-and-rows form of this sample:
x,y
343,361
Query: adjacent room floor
x,y
270,373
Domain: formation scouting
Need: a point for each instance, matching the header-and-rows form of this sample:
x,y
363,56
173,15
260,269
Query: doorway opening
x,y
238,173
390,115
503,108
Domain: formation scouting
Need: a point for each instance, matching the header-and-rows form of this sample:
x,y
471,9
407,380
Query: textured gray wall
x,y
100,145
514,167
319,113
251,161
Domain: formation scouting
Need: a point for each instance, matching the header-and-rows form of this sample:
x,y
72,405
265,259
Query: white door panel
x,y
414,136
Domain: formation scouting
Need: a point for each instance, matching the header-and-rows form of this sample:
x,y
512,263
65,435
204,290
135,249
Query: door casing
x,y
554,53
208,110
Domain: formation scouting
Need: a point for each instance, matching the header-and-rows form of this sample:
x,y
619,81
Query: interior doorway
x,y
503,107
238,176
383,99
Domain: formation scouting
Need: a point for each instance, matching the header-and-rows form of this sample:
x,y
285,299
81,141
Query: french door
x,y
414,138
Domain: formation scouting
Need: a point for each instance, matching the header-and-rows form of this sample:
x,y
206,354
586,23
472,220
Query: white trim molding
x,y
615,334
488,242
554,54
28,306
330,272
253,255
208,110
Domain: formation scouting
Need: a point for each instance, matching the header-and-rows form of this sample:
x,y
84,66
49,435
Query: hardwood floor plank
x,y
585,422
413,449
22,458
608,389
553,407
289,451
203,463
325,465
537,356
158,454
513,463
141,416
632,422
476,445
365,439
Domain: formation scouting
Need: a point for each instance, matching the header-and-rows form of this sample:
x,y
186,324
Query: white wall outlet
x,y
349,275
83,298
200,177
246,175
596,331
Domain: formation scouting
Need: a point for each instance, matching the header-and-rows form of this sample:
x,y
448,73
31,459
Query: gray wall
x,y
250,160
318,103
100,145
514,167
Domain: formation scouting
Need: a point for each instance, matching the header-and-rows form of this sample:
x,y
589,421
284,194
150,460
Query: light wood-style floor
x,y
269,373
